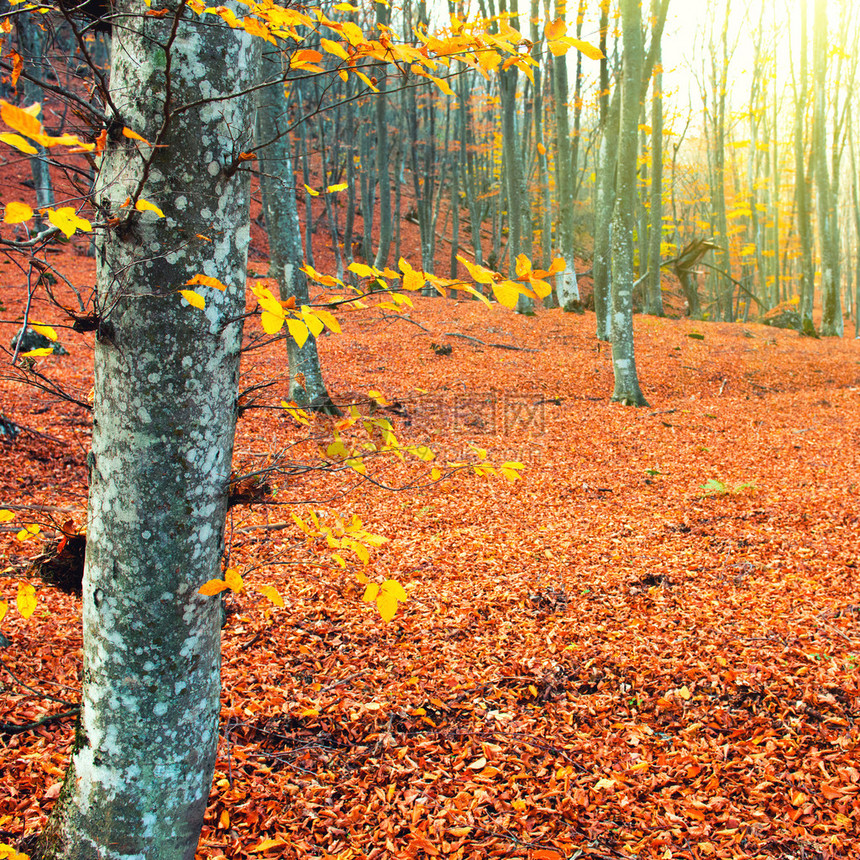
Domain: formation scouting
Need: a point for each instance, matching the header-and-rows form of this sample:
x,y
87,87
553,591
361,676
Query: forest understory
x,y
648,646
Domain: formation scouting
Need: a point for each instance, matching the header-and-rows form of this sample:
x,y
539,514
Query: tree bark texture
x,y
627,389
166,378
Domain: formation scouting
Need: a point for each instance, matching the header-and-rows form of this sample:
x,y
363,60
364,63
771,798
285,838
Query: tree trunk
x,y
831,299
382,152
30,47
605,200
627,389
653,289
164,421
802,180
567,288
278,186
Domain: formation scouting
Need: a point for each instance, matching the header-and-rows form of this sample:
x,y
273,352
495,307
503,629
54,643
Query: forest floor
x,y
646,647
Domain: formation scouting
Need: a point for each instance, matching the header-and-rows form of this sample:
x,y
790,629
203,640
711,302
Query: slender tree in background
x,y
164,419
828,236
30,46
802,183
383,177
720,57
281,214
604,194
627,389
567,288
653,291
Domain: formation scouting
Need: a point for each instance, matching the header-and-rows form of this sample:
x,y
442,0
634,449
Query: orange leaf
x,y
133,135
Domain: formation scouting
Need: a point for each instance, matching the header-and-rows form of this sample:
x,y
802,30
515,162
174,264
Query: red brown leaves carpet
x,y
647,647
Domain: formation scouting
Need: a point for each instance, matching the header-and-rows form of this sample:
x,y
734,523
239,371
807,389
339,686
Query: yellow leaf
x,y
298,331
133,135
387,606
26,600
23,120
18,142
472,291
555,29
378,397
523,266
4,608
312,321
506,293
213,586
329,319
272,594
395,589
233,579
371,592
272,323
314,275
17,213
255,27
362,271
6,516
338,559
313,192
66,220
590,51
309,712
342,186
45,330
145,206
478,273
685,693
28,531
206,281
606,782
360,550
298,415
194,299
372,86
558,265
267,845
533,690
40,351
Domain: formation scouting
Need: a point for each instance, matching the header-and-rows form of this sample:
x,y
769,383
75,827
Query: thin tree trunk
x,y
828,237
653,291
31,50
567,288
627,389
278,186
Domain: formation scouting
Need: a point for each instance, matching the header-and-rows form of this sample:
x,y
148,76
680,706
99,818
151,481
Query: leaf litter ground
x,y
609,658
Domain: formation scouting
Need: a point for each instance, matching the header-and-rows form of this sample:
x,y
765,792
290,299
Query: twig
x,y
485,343
405,318
33,690
20,728
52,509
38,433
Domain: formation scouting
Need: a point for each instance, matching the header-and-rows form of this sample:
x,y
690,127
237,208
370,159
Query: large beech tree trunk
x,y
164,420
